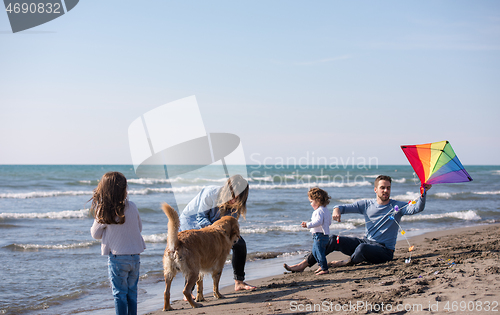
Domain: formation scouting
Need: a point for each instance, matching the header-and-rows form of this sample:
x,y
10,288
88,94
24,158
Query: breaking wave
x,y
469,215
68,214
35,247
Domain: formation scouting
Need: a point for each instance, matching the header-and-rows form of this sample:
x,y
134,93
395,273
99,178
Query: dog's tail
x,y
173,226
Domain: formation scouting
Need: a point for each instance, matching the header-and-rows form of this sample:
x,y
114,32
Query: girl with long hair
x,y
118,225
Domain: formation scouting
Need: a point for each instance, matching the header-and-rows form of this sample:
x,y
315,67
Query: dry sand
x,y
452,271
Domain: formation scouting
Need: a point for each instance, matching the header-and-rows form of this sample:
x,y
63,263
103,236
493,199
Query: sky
x,y
338,80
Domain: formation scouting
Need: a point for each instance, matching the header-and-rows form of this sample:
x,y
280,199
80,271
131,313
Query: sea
x,y
51,265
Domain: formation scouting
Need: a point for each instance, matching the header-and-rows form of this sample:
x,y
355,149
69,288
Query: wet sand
x,y
453,271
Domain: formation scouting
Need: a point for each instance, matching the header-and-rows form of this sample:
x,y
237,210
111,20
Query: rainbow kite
x,y
436,163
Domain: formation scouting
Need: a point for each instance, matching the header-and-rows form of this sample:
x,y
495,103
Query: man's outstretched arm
x,y
420,205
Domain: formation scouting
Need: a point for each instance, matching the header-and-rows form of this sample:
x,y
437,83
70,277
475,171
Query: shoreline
x,y
440,273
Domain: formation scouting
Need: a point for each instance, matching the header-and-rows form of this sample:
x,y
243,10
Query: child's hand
x,y
336,214
303,224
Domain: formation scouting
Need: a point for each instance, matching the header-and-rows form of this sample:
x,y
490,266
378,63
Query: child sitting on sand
x,y
319,226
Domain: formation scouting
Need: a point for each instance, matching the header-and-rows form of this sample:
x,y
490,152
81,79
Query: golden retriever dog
x,y
195,253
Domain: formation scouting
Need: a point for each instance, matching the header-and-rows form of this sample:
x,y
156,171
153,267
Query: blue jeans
x,y
319,249
124,275
360,249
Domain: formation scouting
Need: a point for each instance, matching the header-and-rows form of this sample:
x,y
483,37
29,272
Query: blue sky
x,y
293,79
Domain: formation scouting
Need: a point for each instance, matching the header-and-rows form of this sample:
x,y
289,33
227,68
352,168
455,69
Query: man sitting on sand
x,y
381,231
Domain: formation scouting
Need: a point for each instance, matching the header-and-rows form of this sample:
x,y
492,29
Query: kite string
x,y
415,179
391,217
410,248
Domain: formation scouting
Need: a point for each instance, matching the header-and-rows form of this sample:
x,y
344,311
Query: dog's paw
x,y
219,296
196,305
169,308
200,298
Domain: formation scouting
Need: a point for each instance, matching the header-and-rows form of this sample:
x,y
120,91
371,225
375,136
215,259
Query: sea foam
x,y
469,215
409,196
35,247
45,194
487,192
68,214
443,195
308,185
155,238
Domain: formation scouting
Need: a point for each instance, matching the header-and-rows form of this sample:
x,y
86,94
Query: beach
x,y
52,265
451,271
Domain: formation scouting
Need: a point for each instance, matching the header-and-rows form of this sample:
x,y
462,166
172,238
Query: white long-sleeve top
x,y
121,239
320,221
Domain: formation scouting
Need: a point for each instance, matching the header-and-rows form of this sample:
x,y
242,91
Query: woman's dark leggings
x,y
239,259
360,249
